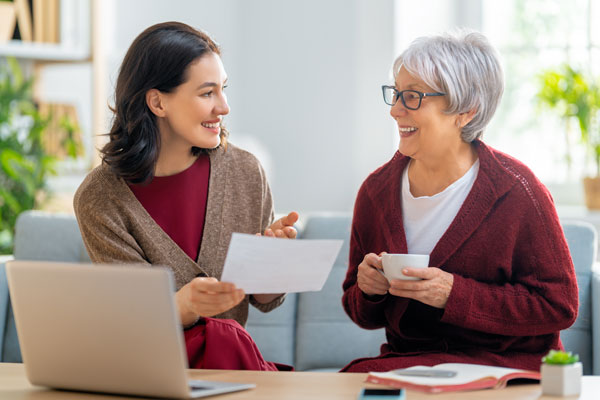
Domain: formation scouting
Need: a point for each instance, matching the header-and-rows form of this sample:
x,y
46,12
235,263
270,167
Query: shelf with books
x,y
44,51
50,30
55,51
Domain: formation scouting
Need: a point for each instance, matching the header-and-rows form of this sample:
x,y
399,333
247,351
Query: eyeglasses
x,y
411,99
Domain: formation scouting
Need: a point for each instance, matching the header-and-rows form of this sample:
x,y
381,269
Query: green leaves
x,y
558,357
571,94
24,164
70,143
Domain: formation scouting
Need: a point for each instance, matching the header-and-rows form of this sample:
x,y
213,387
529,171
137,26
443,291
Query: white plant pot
x,y
561,380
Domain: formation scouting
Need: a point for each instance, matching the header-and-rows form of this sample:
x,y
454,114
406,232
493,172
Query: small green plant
x,y
572,94
24,163
559,357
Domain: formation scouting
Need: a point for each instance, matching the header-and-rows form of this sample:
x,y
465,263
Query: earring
x,y
458,124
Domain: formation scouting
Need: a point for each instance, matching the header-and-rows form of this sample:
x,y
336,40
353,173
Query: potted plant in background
x,y
573,95
561,374
24,163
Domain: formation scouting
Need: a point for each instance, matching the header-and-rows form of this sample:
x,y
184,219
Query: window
x,y
530,36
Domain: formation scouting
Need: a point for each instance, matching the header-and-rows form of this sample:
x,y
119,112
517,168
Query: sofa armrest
x,y
596,318
46,236
4,303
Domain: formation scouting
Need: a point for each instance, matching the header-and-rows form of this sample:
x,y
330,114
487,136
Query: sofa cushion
x,y
581,238
11,351
325,336
9,343
49,237
46,237
274,332
4,307
596,321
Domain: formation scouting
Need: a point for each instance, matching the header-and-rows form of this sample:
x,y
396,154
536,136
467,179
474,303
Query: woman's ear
x,y
463,119
155,102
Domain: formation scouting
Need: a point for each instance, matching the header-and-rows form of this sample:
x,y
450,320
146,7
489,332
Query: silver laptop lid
x,y
102,328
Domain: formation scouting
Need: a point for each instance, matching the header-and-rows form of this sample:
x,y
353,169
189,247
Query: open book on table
x,y
458,377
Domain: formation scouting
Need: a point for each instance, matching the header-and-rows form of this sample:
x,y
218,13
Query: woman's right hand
x,y
370,278
206,297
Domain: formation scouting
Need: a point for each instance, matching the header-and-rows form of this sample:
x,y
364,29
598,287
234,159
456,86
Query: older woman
x,y
500,283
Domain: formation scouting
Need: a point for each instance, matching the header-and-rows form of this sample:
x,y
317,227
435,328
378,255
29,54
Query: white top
x,y
426,218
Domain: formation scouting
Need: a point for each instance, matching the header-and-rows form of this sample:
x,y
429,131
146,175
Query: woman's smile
x,y
214,126
407,131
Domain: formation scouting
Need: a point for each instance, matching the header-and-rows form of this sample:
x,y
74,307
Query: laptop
x,y
101,328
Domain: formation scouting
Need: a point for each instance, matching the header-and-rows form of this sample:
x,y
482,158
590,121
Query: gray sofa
x,y
310,330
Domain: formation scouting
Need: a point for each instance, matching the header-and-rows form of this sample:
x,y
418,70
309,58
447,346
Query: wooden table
x,y
283,386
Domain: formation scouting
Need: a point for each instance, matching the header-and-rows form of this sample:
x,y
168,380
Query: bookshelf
x,y
44,51
62,62
71,35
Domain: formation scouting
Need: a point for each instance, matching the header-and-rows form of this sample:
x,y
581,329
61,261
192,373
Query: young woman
x,y
171,190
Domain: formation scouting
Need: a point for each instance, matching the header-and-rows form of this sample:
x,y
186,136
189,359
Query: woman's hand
x,y
370,278
283,227
433,290
206,297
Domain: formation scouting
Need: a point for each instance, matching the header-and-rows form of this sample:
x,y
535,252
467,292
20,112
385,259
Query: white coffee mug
x,y
393,264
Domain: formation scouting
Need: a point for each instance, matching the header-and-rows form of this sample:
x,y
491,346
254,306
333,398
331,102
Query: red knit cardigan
x,y
514,282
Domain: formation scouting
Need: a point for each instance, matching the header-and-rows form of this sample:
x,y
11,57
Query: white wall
x,y
304,85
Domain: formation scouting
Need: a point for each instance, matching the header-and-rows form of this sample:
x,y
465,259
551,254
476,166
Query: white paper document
x,y
260,264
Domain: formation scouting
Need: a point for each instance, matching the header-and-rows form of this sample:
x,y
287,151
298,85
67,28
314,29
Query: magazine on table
x,y
451,377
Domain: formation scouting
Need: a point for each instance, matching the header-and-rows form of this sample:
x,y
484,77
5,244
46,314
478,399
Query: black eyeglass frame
x,y
400,95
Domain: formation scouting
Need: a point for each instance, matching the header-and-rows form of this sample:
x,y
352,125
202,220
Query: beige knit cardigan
x,y
116,228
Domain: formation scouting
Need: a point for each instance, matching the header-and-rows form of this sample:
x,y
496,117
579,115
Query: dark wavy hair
x,y
157,59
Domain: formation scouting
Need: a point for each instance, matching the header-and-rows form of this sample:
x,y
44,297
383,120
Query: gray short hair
x,y
465,66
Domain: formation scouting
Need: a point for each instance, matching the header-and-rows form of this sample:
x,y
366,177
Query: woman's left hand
x,y
434,288
283,227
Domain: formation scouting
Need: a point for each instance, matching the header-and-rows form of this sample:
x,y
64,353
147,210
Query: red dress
x,y
178,205
514,283
224,344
